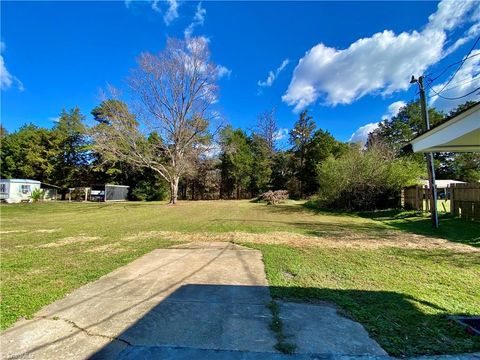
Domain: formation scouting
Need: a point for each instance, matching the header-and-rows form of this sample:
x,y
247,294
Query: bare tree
x,y
267,128
173,92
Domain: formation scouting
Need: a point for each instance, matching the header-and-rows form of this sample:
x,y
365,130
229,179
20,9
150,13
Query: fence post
x,y
416,197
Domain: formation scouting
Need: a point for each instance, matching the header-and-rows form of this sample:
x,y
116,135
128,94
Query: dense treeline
x,y
241,165
244,165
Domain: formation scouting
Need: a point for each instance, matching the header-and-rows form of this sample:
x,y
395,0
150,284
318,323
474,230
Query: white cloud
x,y
380,64
451,14
6,78
54,119
155,6
223,71
361,134
169,15
281,134
393,109
212,151
466,80
470,34
172,11
198,20
272,75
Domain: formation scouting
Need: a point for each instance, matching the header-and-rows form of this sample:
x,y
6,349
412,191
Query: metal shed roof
x,y
27,181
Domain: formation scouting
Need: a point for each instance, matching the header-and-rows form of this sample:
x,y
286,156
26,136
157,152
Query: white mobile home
x,y
17,190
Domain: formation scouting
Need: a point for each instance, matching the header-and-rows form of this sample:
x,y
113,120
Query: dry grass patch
x,y
12,231
113,248
44,231
357,240
70,240
47,231
346,239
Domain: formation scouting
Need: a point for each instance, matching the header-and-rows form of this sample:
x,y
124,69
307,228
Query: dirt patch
x,y
360,241
39,271
113,248
343,240
70,240
48,231
12,231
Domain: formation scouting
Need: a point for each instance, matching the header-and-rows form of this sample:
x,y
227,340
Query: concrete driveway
x,y
201,300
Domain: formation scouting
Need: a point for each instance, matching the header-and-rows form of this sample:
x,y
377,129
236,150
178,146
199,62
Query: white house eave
x,y
459,134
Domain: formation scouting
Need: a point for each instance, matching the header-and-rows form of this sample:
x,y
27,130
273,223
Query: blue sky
x,y
349,63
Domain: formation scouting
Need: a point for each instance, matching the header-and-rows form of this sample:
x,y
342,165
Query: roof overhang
x,y
460,133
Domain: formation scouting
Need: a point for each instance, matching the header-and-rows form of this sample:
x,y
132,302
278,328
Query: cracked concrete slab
x,y
472,356
41,338
211,296
325,331
207,299
178,353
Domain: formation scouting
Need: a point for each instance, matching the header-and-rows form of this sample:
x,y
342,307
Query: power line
x,y
458,69
458,84
453,98
449,66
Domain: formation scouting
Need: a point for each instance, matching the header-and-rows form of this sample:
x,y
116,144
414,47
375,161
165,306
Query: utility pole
x,y
428,156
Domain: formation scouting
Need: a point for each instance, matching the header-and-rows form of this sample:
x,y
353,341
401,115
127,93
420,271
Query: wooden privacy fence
x,y
416,198
465,200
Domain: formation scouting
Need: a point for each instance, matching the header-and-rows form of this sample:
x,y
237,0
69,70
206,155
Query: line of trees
x,y
166,144
239,165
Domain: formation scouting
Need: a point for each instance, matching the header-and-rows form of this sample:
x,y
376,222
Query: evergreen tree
x,y
29,153
321,146
71,163
403,127
237,159
282,170
300,136
260,177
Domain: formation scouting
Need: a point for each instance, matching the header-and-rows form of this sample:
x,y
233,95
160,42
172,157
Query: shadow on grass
x,y
442,257
320,228
307,208
450,228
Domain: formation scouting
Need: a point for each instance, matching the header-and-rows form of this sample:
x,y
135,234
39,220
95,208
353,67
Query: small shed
x,y
443,187
17,190
443,183
50,192
109,192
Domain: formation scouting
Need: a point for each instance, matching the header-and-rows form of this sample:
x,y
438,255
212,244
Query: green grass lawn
x,y
443,206
390,271
402,297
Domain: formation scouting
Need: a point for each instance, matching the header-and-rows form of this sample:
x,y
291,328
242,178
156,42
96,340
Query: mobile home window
x,y
25,189
3,188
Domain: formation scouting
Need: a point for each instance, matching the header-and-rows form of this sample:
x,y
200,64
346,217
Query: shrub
x,y
37,195
274,197
365,179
